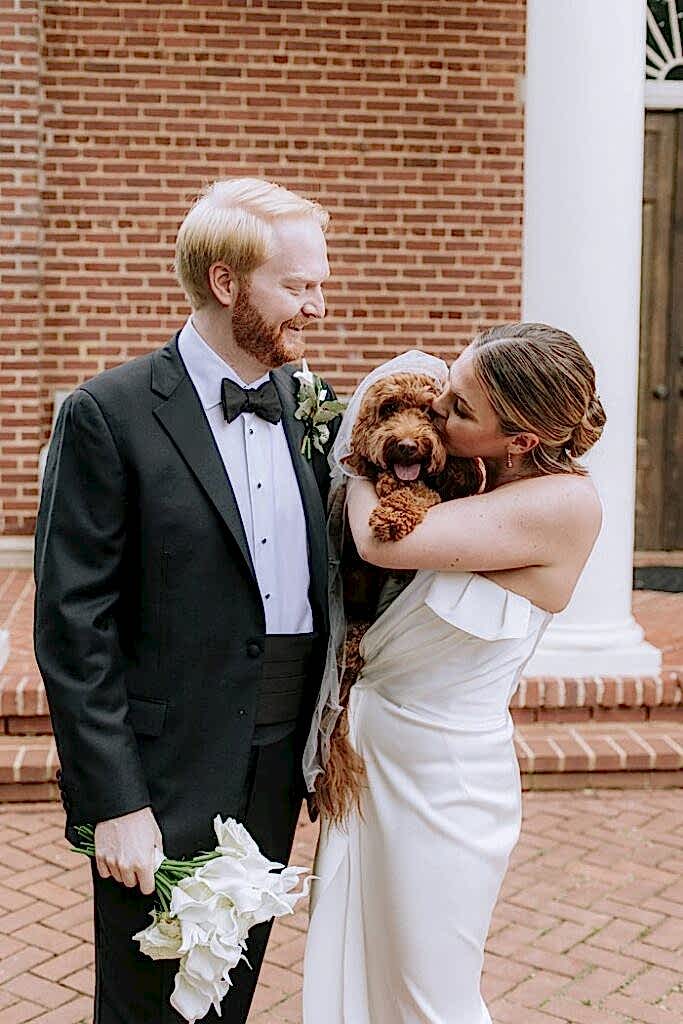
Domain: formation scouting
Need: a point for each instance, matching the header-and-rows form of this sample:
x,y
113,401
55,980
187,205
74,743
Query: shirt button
x,y
259,486
253,650
267,596
264,540
251,430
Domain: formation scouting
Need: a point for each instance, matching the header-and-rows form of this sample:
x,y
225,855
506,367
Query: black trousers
x,y
130,988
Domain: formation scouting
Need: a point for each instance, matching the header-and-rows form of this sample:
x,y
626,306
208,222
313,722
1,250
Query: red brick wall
x,y
401,117
20,247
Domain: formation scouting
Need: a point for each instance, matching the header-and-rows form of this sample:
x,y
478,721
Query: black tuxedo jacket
x,y
149,623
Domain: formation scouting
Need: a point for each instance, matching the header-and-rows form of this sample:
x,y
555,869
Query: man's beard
x,y
264,342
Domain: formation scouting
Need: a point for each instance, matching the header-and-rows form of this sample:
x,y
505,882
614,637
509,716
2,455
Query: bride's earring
x,y
508,461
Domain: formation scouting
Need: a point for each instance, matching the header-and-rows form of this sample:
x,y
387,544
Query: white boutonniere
x,y
315,410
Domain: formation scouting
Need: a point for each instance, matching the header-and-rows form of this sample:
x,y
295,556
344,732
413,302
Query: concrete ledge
x,y
16,552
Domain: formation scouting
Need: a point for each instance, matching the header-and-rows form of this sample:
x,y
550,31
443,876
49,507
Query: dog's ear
x,y
459,478
360,465
430,390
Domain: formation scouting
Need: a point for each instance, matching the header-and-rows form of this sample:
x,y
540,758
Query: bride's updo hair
x,y
538,379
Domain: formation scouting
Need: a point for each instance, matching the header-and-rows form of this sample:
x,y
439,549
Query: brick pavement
x,y
588,929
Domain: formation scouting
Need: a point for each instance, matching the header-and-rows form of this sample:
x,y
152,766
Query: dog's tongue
x,y
408,473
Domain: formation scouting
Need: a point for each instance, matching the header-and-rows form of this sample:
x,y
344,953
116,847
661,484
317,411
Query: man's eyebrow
x,y
303,277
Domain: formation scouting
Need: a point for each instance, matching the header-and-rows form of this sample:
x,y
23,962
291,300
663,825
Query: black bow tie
x,y
264,400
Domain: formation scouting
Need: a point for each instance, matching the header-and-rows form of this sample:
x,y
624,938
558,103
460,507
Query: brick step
x,y
24,710
551,756
28,767
23,704
561,755
600,698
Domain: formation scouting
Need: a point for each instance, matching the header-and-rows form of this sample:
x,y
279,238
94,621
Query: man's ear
x,y
224,284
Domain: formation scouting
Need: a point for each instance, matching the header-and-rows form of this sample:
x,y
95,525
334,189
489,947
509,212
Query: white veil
x,y
328,708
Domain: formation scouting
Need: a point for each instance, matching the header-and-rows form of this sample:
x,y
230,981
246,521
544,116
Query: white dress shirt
x,y
258,462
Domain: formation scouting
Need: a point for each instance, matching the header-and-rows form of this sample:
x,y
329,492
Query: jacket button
x,y
242,712
253,650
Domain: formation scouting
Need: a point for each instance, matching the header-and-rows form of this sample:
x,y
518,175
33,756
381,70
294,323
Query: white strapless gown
x,y
404,897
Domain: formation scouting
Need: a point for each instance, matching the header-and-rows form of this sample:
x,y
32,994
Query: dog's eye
x,y
389,408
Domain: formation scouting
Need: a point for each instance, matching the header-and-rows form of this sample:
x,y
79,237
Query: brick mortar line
x,y
51,761
527,751
18,761
19,698
521,693
581,693
599,691
651,752
675,746
559,753
619,750
586,747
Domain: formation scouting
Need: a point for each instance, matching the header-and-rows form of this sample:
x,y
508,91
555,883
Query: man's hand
x,y
124,849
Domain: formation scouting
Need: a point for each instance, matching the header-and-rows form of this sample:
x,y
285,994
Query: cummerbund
x,y
287,665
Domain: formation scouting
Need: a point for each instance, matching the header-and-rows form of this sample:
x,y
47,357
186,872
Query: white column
x,y
4,647
584,101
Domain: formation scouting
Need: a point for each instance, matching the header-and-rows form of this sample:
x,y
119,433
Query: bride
x,y
406,886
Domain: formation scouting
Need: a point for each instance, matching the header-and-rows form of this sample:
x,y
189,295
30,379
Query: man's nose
x,y
314,304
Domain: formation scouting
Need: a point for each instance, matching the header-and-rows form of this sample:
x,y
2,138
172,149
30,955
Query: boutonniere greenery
x,y
315,410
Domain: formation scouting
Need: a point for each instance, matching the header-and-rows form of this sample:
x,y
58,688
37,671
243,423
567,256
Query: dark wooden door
x,y
659,491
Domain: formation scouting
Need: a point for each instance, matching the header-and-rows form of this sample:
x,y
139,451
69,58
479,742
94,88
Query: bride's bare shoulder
x,y
567,499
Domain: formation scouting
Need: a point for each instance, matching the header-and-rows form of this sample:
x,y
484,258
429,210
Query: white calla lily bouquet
x,y
207,907
315,409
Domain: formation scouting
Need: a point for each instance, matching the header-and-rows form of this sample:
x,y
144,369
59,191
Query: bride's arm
x,y
526,523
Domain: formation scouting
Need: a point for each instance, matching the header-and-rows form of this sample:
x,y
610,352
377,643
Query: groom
x,y
181,569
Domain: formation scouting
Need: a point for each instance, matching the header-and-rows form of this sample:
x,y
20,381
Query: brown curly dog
x,y
395,443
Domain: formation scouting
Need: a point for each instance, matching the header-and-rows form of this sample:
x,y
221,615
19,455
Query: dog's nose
x,y
406,448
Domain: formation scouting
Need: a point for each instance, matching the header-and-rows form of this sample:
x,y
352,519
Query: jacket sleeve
x,y
80,538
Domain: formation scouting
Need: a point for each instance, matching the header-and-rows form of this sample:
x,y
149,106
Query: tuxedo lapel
x,y
183,419
308,487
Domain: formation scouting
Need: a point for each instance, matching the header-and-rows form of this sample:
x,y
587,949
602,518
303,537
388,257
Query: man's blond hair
x,y
231,222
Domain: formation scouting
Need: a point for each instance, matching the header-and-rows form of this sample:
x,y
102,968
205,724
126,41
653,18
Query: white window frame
x,y
663,95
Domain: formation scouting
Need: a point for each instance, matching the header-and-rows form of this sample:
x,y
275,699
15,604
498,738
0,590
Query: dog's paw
x,y
390,523
386,484
399,513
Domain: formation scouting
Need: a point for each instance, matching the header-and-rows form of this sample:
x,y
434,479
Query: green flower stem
x,y
201,858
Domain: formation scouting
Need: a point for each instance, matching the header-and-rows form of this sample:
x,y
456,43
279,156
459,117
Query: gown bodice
x,y
452,645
